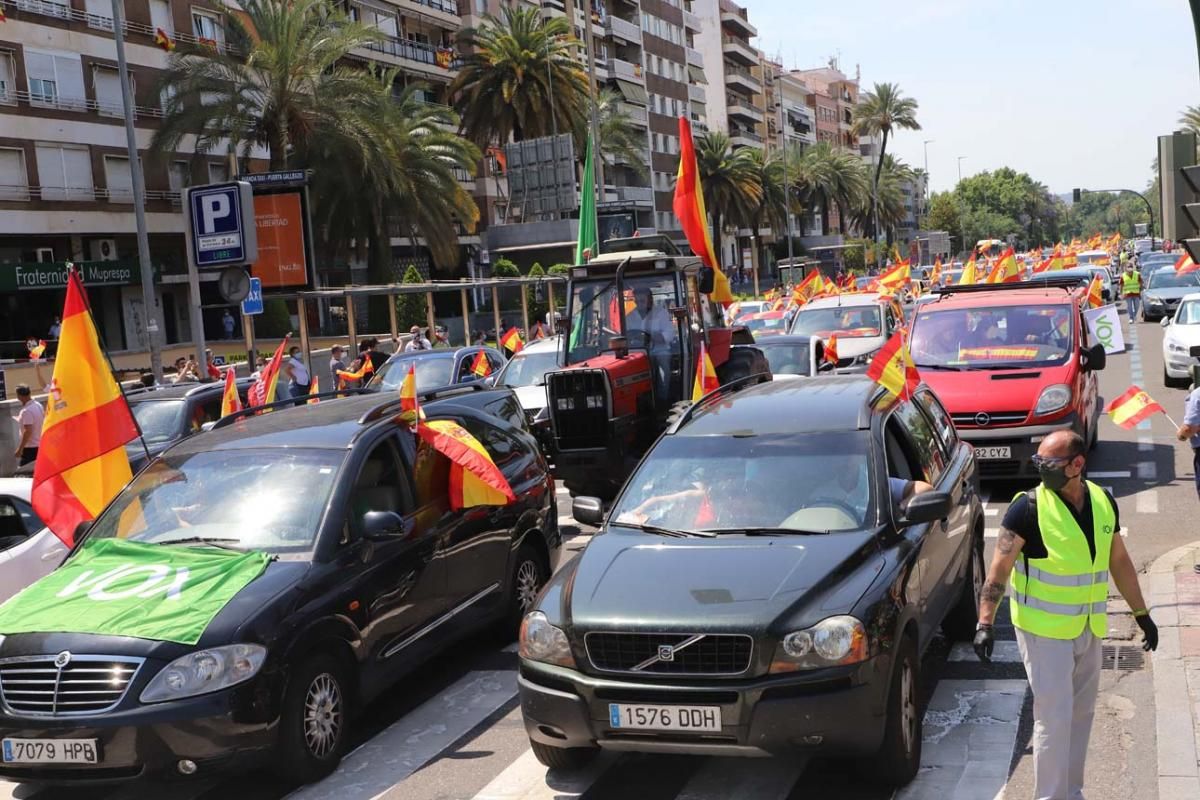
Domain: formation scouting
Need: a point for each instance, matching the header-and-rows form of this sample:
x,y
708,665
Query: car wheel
x,y
313,725
960,622
900,755
568,759
1173,383
529,575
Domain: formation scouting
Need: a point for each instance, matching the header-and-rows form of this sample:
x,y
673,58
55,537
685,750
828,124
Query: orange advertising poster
x,y
280,225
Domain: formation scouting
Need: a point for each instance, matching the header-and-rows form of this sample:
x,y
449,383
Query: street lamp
x,y
960,160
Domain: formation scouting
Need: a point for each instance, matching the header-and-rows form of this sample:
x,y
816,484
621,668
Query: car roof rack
x,y
333,394
453,390
1048,283
721,391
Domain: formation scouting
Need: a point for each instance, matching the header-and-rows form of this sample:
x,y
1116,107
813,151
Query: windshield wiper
x,y
215,542
947,367
764,531
661,531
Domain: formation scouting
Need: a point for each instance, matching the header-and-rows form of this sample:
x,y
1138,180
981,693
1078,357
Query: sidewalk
x,y
1175,601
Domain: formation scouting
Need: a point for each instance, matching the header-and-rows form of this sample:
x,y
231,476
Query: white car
x,y
525,374
28,549
1181,335
862,322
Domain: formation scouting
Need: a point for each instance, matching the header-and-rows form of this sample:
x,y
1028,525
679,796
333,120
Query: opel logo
x,y
666,652
62,659
983,419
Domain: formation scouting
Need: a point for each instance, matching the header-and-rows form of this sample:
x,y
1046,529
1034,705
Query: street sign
x,y
253,304
220,224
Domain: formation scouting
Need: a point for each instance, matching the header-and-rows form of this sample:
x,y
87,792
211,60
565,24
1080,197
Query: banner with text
x,y
1105,327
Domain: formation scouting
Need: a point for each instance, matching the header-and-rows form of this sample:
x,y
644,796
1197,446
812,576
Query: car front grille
x,y
579,408
988,419
65,684
670,653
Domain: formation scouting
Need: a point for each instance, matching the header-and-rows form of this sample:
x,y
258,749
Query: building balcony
x,y
694,57
744,138
637,115
696,93
741,78
427,59
739,50
636,195
625,70
618,28
739,24
442,11
692,22
554,8
739,108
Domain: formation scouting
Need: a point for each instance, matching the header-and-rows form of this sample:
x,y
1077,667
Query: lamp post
x,y
960,160
961,227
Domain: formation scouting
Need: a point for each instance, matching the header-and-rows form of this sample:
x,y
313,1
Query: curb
x,y
1175,721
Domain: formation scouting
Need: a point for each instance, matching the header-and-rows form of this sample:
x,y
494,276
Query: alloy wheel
x,y
977,575
528,584
322,715
908,708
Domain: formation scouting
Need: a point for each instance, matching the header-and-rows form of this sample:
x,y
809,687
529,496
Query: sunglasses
x,y
1051,461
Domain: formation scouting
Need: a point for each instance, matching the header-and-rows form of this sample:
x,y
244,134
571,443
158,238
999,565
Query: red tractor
x,y
636,317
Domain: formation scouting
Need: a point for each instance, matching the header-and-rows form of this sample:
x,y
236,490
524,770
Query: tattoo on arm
x,y
992,592
1006,541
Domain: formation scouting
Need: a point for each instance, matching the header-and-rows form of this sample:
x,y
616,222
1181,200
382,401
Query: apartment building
x,y
833,101
734,71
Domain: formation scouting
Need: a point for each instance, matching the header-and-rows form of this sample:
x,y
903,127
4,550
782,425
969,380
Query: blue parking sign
x,y
253,304
220,225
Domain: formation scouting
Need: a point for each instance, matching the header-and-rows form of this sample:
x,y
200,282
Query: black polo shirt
x,y
1022,519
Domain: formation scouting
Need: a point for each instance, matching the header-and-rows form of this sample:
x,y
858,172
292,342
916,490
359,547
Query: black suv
x,y
166,414
765,583
371,574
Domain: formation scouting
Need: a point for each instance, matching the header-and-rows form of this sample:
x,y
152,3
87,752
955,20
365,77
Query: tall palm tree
x,y
279,80
1190,118
889,197
520,78
730,180
619,139
831,178
880,112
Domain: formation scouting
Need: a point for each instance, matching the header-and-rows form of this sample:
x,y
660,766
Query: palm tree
x,y
1190,118
831,178
277,83
620,141
889,197
879,112
520,78
730,179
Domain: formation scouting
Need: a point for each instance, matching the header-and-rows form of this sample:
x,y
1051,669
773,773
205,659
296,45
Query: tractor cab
x,y
636,318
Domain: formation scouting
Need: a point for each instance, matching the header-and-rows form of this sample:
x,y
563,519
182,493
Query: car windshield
x,y
159,420
529,369
992,338
1188,313
1169,279
268,500
433,372
849,322
787,359
691,483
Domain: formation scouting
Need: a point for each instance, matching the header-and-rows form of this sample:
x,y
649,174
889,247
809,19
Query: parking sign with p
x,y
220,224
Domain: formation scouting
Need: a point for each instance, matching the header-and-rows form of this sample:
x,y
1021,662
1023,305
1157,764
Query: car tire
x,y
960,623
1174,383
899,756
313,723
529,574
568,759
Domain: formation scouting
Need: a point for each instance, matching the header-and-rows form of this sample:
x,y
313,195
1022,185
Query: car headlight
x,y
1053,398
1153,301
832,641
1176,348
541,641
205,671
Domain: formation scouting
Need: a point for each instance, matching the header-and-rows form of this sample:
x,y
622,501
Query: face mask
x,y
1054,478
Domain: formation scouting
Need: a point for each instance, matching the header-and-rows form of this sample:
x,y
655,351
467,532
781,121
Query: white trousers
x,y
1064,675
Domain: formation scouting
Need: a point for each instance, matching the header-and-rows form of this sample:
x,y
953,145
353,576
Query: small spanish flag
x,y
480,367
263,391
935,275
231,402
313,390
1132,407
163,40
1095,293
410,407
1006,270
893,368
364,369
812,285
831,354
539,332
706,376
512,341
36,352
1185,264
2,17
896,277
968,274
475,480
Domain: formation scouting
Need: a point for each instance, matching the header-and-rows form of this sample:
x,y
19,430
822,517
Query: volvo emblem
x,y
983,419
666,652
62,659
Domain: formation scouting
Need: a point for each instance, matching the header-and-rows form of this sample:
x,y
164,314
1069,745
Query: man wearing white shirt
x,y
650,326
297,375
417,341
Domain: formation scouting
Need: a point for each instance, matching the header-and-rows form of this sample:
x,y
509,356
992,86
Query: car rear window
x,y
848,323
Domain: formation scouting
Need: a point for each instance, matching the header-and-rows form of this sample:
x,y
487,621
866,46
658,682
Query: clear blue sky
x,y
1072,92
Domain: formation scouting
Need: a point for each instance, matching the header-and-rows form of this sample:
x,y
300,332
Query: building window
x,y
217,172
161,17
178,176
119,179
14,180
207,28
107,84
64,172
8,86
55,79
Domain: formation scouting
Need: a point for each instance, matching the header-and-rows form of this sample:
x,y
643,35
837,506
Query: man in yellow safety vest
x,y
1063,540
1131,290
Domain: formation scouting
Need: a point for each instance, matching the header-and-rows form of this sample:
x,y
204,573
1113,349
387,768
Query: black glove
x,y
1149,632
985,641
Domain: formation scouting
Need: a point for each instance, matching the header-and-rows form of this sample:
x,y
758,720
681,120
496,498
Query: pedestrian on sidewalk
x,y
1131,289
1063,539
30,420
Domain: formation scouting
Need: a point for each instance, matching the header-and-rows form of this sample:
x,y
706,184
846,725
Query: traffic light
x,y
1191,176
1077,195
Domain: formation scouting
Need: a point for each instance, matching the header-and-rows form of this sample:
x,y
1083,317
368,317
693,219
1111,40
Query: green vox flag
x,y
587,211
120,588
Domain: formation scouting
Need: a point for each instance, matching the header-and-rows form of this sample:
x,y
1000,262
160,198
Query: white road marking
x,y
527,779
1006,652
567,520
991,512
761,779
416,738
1147,471
1145,447
1146,501
1124,473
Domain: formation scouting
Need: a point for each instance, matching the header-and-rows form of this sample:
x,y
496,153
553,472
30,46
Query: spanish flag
x,y
364,369
81,463
1132,407
314,389
693,218
968,274
262,392
893,368
163,40
831,354
706,376
1095,293
36,352
512,341
3,18
410,407
1006,270
480,367
231,403
812,285
475,480
1184,264
935,275
539,332
896,277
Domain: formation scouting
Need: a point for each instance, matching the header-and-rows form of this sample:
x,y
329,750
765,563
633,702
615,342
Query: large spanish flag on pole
x,y
81,464
1132,407
693,218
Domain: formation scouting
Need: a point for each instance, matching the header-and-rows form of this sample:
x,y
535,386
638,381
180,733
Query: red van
x,y
1012,363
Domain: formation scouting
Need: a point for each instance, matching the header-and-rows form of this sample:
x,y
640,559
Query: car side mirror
x,y
588,510
1094,358
926,507
1166,322
707,280
377,525
490,380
